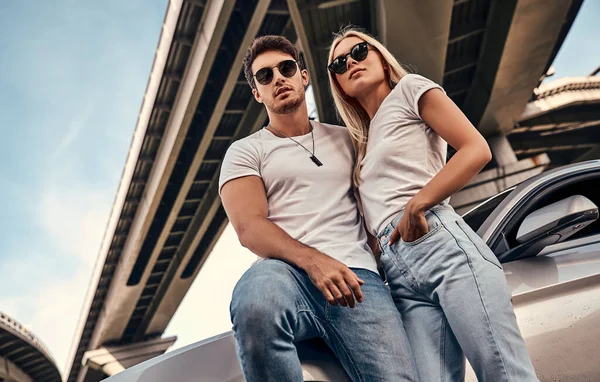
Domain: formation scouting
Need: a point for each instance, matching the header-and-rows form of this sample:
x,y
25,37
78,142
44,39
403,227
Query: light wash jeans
x,y
275,304
454,300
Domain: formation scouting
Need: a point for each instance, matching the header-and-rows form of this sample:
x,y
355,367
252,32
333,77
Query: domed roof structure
x,y
28,359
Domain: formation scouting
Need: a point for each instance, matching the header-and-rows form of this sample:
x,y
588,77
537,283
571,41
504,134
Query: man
x,y
288,194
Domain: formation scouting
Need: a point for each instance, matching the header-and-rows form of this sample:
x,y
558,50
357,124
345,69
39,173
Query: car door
x,y
556,290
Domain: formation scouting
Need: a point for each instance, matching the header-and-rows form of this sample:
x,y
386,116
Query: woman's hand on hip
x,y
412,226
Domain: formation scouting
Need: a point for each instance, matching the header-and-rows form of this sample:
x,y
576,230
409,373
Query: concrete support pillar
x,y
111,360
502,152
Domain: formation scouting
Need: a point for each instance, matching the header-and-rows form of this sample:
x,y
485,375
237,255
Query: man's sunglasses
x,y
358,52
287,68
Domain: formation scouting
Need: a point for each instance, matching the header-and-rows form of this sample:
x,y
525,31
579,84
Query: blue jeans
x,y
275,304
452,294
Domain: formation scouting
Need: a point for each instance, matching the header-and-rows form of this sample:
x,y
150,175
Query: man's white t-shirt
x,y
403,153
314,205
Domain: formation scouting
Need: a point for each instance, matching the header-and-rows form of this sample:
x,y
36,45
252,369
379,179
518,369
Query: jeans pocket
x,y
485,252
433,224
430,233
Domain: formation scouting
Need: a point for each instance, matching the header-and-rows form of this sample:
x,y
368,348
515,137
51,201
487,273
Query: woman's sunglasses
x,y
287,68
358,53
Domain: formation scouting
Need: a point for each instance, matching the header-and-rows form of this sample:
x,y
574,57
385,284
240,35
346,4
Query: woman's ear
x,y
384,63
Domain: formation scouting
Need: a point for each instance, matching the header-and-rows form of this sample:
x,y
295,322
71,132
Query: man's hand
x,y
246,204
335,280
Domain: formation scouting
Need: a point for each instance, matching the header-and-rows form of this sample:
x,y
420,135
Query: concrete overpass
x,y
23,357
560,125
167,216
563,120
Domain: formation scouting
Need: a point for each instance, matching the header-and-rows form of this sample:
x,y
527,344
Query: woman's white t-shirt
x,y
403,153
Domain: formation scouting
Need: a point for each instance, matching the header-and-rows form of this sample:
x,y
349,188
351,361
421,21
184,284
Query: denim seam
x,y
481,298
443,349
313,315
476,247
406,273
241,354
345,349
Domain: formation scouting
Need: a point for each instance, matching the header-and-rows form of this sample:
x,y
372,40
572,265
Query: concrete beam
x,y
114,359
318,93
121,299
537,150
569,136
562,93
207,212
315,22
334,3
416,32
533,34
253,119
158,68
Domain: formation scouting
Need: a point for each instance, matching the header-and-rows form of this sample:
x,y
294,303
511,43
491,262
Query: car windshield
x,y
475,217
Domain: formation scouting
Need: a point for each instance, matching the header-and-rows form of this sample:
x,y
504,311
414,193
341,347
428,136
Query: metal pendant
x,y
316,161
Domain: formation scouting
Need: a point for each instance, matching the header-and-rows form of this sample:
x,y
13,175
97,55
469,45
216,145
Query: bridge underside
x,y
23,358
560,125
167,214
563,121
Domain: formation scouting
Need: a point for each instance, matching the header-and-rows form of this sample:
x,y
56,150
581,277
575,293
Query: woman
x,y
448,285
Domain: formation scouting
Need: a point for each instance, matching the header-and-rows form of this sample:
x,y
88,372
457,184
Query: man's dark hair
x,y
265,44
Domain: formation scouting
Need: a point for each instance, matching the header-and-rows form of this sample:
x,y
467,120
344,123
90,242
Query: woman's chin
x,y
360,88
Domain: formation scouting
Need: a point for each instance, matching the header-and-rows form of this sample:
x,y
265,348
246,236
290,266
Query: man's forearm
x,y
336,281
266,239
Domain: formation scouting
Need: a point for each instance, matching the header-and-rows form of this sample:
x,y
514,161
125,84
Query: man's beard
x,y
287,106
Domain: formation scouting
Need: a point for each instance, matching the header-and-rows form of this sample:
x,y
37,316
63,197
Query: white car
x,y
546,234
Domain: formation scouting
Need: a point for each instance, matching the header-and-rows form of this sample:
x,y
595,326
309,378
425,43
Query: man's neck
x,y
292,124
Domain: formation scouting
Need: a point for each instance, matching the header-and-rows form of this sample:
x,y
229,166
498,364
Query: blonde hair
x,y
349,109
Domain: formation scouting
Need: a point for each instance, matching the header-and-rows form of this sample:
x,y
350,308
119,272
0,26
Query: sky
x,y
72,78
580,53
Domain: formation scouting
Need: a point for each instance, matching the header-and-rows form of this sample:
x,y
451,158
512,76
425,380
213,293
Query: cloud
x,y
77,123
14,189
71,90
73,215
57,310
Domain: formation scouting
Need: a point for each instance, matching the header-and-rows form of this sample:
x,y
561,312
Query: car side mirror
x,y
550,225
541,221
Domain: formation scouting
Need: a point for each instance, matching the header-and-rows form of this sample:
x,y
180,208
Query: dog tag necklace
x,y
312,154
